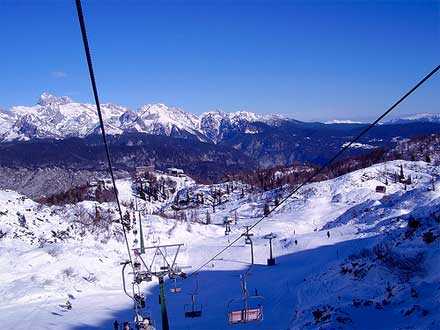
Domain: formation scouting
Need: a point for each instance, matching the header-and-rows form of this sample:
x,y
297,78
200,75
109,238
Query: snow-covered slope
x,y
53,254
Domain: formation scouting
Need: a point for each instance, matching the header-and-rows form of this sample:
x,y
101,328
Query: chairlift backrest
x,y
176,290
193,310
246,315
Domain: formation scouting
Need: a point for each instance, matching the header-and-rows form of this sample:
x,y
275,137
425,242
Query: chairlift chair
x,y
193,310
175,288
246,309
144,322
143,276
250,311
137,265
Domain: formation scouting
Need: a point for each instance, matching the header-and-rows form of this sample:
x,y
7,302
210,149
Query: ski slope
x,y
45,264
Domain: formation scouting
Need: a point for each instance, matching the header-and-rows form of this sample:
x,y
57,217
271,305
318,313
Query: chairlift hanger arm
x,y
175,256
143,262
165,259
163,246
123,280
153,259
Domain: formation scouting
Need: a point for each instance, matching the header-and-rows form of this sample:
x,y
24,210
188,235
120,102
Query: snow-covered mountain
x,y
61,117
418,117
215,124
57,117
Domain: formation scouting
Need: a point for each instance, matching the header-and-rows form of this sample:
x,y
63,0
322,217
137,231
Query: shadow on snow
x,y
278,285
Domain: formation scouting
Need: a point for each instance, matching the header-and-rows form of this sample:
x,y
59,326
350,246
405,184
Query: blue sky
x,y
310,60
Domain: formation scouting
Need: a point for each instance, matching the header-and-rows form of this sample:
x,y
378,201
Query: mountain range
x,y
61,131
60,117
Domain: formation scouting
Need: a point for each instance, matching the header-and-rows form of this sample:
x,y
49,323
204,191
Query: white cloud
x,y
58,74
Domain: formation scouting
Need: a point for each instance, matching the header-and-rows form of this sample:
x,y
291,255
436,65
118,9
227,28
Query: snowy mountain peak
x,y
49,99
160,119
60,117
342,121
426,117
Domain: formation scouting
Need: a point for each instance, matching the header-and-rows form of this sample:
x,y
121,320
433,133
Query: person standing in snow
x,y
296,242
116,325
126,326
328,234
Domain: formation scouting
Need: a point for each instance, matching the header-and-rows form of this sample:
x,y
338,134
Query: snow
x,y
418,117
60,117
358,145
41,269
343,121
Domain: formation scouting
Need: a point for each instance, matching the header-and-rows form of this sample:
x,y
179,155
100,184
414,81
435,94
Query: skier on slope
x,y
328,234
115,325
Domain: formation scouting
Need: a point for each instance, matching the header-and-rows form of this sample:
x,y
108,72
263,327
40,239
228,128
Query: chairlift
x,y
136,265
227,230
144,322
175,288
246,309
246,315
139,299
248,236
194,309
143,276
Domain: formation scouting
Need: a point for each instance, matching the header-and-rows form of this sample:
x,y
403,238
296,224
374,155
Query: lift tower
x,y
271,260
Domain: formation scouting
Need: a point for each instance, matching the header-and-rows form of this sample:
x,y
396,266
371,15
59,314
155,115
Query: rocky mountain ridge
x,y
61,117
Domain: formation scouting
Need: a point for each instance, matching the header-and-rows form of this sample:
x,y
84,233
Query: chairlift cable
x,y
326,165
101,121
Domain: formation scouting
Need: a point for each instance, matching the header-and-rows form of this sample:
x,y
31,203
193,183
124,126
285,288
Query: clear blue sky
x,y
310,60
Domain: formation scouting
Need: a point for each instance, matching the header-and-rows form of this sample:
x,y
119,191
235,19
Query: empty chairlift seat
x,y
246,315
194,309
246,309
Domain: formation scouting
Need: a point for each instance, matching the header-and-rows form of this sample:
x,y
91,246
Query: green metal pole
x,y
142,247
163,307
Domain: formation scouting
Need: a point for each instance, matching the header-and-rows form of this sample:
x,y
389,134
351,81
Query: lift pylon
x,y
271,260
